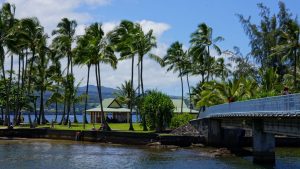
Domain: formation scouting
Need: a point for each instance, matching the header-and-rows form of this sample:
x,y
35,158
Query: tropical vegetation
x,y
33,64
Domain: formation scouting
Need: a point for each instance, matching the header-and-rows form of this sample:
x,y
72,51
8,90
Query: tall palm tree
x,y
64,37
7,20
201,43
93,49
144,45
124,38
174,60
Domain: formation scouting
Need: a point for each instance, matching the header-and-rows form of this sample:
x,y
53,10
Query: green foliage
x,y
158,110
180,120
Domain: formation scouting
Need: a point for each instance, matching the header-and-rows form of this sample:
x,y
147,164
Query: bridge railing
x,y
276,104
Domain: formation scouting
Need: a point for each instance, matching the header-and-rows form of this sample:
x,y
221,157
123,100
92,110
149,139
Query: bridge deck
x,y
278,106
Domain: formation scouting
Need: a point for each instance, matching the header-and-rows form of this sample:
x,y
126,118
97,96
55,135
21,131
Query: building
x,y
110,107
120,114
185,109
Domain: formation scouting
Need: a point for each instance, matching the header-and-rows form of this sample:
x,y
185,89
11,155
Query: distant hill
x,y
93,100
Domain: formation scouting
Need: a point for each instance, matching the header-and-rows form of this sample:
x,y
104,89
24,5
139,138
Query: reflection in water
x,y
72,155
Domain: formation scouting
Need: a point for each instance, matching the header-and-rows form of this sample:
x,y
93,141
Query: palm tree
x,y
201,43
124,38
222,69
221,92
145,43
7,20
95,50
124,93
174,60
65,36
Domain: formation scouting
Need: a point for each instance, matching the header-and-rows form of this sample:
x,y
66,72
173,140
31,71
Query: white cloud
x,y
158,27
50,12
109,26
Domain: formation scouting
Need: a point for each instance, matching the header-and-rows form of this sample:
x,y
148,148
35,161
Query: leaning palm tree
x,y
174,60
124,38
62,43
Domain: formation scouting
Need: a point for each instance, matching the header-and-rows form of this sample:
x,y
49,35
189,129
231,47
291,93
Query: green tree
x,y
174,60
62,43
158,109
99,52
201,43
124,38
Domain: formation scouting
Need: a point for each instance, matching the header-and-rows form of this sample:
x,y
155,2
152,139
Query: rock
x,y
186,130
154,144
197,145
221,152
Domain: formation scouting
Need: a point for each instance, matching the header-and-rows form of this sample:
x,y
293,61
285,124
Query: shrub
x,y
158,110
180,119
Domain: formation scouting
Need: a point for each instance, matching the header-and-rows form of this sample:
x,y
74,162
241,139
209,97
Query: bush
x,y
158,110
180,119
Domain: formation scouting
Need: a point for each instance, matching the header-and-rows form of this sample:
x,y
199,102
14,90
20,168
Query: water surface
x,y
29,154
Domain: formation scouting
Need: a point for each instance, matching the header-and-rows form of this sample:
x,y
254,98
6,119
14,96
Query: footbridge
x,y
264,118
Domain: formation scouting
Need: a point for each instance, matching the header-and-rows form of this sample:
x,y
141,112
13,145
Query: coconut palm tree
x,y
95,50
174,61
124,38
145,43
7,20
201,43
222,69
62,43
221,92
124,93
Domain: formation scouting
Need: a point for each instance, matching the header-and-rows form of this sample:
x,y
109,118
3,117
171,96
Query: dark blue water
x,y
46,154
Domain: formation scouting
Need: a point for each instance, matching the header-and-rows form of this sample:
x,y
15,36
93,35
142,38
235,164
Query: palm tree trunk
x,y
10,79
29,81
139,88
73,95
41,115
295,70
86,98
131,96
181,110
188,83
142,82
104,124
7,120
18,93
67,94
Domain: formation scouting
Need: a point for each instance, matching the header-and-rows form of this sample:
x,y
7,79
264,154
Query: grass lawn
x,y
79,126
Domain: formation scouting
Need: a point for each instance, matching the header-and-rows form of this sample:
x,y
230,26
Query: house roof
x,y
185,109
110,105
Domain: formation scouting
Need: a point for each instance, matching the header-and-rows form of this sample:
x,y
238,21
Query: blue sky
x,y
171,20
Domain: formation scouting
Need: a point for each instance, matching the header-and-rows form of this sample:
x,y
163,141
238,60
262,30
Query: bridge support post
x,y
263,144
214,133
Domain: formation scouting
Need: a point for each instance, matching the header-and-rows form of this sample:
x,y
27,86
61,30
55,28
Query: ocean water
x,y
50,154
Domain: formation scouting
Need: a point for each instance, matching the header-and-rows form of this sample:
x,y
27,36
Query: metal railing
x,y
277,104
